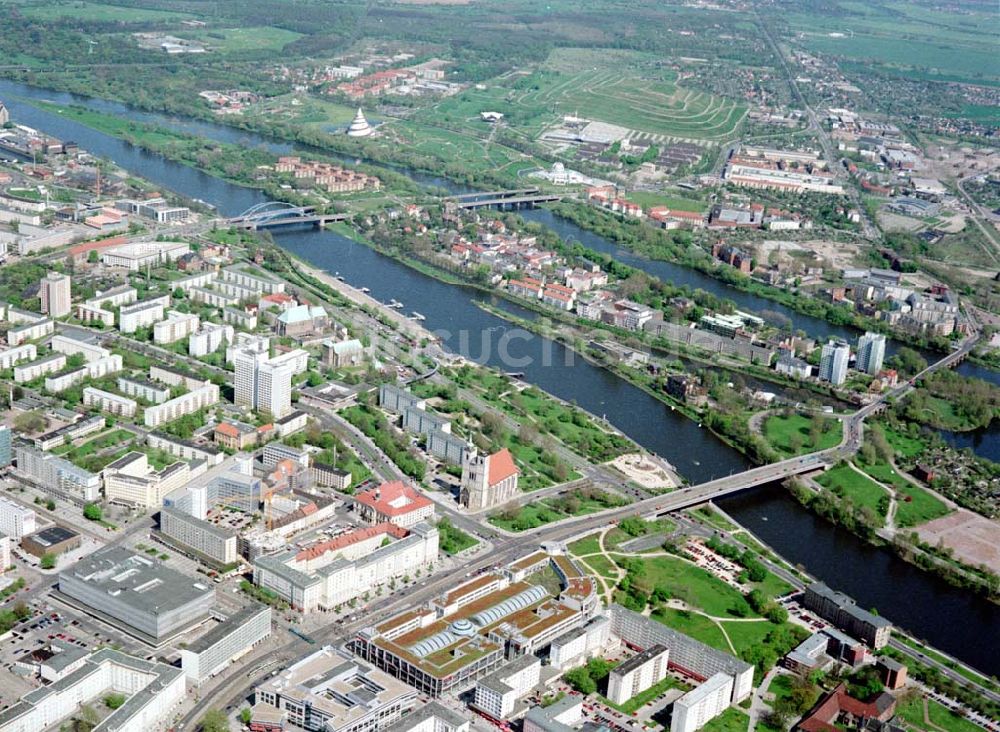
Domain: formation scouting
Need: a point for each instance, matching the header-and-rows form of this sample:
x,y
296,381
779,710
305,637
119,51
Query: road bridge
x,y
516,198
277,213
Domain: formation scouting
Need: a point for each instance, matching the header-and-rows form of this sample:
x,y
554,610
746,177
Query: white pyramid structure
x,y
359,127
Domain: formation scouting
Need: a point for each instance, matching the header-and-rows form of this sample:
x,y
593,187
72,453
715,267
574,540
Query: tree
x,y
215,720
580,680
48,561
92,512
50,505
246,714
93,257
30,422
113,701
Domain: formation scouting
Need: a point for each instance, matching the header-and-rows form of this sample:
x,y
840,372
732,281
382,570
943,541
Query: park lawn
x,y
944,414
780,430
913,713
918,506
846,482
643,698
587,545
239,40
453,540
696,626
689,583
713,517
96,12
528,517
648,199
781,687
746,635
773,586
731,720
904,445
602,566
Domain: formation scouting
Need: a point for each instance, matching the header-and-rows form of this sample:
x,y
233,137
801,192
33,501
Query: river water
x,y
951,619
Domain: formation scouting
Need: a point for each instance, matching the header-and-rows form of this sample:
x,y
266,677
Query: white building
x,y
227,641
333,572
54,291
108,402
498,693
12,356
264,384
141,314
94,370
871,353
209,338
702,704
72,346
139,255
833,362
204,396
141,389
577,646
30,331
130,481
176,326
153,692
16,521
45,365
257,281
216,543
638,673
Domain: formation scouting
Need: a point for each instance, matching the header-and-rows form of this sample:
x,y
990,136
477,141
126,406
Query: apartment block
x,y
202,397
16,521
106,401
498,693
638,673
72,347
141,389
54,292
130,481
12,356
45,365
227,641
57,475
176,326
209,338
142,314
702,704
214,542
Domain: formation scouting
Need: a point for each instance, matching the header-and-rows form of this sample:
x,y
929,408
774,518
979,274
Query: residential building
x,y
333,572
577,646
871,353
488,480
94,370
202,397
449,448
329,476
209,338
276,452
833,362
159,211
638,673
30,331
54,292
702,704
12,356
843,612
688,655
563,715
6,447
395,502
137,594
142,314
56,475
153,691
331,691
497,694
422,422
176,326
142,389
205,538
227,641
46,365
73,346
263,384
253,280
108,402
174,377
291,423
235,435
16,521
789,365
131,481
396,400
893,673
184,449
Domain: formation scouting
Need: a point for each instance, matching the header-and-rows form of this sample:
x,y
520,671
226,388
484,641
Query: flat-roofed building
x,y
175,377
329,476
30,331
396,400
431,717
54,292
693,658
176,326
252,279
209,338
577,646
142,314
227,641
213,542
12,356
634,676
334,692
46,365
16,521
152,691
702,704
138,255
53,540
137,594
204,396
57,476
130,481
843,611
109,402
564,715
73,346
184,449
142,389
498,694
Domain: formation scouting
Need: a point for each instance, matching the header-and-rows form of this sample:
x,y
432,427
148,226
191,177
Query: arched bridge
x,y
279,213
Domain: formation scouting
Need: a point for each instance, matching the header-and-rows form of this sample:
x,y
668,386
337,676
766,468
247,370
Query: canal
x,y
954,620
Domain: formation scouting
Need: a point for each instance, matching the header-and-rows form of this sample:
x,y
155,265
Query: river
x,y
949,618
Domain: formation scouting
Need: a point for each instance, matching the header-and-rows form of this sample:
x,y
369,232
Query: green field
x,y
863,491
648,199
746,635
653,105
914,504
586,545
602,566
697,626
781,431
912,711
689,583
96,12
731,720
241,40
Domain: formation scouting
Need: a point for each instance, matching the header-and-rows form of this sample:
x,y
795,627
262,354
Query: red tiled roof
x,y
340,542
394,499
501,467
